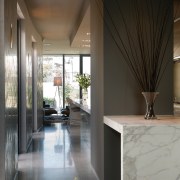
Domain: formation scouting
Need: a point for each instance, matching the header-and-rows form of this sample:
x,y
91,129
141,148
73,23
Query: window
x,y
86,69
72,67
52,67
66,67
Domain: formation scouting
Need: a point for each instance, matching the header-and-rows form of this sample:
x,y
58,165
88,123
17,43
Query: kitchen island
x,y
85,112
85,105
149,149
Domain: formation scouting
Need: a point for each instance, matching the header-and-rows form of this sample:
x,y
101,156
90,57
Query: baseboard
x,y
95,172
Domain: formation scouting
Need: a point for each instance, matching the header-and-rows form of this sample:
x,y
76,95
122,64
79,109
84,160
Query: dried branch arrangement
x,y
142,34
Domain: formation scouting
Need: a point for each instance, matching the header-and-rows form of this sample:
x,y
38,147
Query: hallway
x,y
56,154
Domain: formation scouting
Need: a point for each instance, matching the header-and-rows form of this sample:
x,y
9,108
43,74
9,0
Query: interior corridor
x,y
56,153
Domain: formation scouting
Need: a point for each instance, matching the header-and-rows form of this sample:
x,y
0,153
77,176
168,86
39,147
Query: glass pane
x,y
53,93
87,70
72,67
87,65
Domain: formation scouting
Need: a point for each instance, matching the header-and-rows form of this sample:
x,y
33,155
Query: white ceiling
x,y
63,25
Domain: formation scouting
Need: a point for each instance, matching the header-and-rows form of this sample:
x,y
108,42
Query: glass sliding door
x,y
86,69
86,65
71,69
63,68
53,80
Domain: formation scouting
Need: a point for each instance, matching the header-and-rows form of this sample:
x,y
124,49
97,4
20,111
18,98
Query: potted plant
x,y
84,81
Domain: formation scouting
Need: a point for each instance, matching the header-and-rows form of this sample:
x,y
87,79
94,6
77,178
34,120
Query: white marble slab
x,y
85,105
150,149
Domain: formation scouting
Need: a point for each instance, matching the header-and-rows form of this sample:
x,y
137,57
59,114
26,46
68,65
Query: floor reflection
x,y
57,147
56,154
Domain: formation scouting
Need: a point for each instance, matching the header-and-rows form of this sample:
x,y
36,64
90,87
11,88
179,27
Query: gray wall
x,y
2,92
97,96
31,55
8,90
114,89
121,91
9,84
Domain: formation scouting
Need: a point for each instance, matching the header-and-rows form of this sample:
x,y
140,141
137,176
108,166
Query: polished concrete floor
x,y
56,154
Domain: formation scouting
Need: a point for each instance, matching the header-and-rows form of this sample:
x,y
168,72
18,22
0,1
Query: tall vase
x,y
150,98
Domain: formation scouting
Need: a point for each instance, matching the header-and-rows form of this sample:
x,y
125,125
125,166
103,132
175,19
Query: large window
x,y
52,67
65,67
86,60
86,69
72,68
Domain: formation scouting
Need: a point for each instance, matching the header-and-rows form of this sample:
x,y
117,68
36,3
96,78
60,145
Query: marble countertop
x,y
118,122
149,148
85,105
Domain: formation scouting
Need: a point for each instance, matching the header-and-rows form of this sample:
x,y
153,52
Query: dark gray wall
x,y
9,84
11,111
121,91
8,90
114,89
2,92
31,115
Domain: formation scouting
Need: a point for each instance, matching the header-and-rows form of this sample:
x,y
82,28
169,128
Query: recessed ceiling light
x,y
86,45
88,34
47,44
176,20
86,40
177,57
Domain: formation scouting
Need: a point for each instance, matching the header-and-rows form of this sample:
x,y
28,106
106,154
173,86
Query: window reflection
x,y
87,70
52,67
72,67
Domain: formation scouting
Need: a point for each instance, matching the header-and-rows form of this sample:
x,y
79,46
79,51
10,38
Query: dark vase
x,y
150,98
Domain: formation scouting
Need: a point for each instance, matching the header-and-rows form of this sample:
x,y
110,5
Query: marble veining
x,y
84,105
150,150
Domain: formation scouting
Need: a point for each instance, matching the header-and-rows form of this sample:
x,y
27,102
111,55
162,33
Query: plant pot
x,y
150,98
